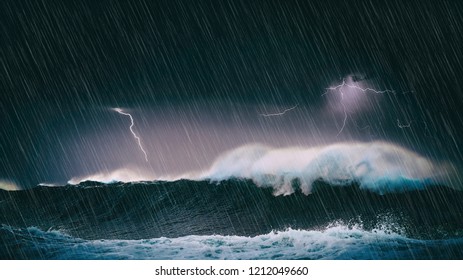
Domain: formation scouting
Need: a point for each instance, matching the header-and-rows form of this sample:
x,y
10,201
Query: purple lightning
x,y
403,125
356,87
341,89
280,113
131,130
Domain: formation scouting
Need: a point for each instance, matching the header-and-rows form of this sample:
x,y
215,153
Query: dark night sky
x,y
196,75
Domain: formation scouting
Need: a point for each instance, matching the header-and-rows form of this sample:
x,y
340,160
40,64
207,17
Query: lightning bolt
x,y
404,125
280,113
427,132
118,110
340,88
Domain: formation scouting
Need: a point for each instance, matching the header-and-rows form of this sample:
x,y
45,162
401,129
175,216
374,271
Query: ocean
x,y
229,219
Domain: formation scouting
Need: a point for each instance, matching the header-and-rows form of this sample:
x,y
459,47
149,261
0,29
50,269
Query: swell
x,y
233,207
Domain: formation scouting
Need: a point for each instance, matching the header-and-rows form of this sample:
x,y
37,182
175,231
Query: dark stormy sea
x,y
230,219
231,129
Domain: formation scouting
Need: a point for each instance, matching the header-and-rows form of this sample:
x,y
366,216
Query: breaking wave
x,y
379,166
9,186
118,175
230,219
367,201
337,241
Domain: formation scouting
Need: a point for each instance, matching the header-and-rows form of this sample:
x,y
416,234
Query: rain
x,y
225,123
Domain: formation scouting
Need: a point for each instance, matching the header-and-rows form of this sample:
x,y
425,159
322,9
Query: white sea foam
x,y
377,166
118,175
337,241
9,186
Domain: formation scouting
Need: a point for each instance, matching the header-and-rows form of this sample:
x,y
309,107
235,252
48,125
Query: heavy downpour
x,y
231,129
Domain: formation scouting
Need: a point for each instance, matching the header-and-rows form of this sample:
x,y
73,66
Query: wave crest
x,y
9,186
119,175
378,166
